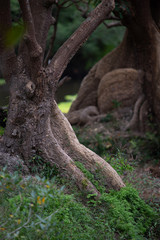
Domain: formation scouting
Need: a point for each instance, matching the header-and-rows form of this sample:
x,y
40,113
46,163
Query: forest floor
x,y
135,156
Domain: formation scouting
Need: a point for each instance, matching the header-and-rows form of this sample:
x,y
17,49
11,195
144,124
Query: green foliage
x,y
38,165
97,180
2,82
128,213
119,163
34,208
99,43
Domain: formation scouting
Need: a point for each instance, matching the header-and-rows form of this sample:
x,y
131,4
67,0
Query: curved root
x,y
143,115
83,116
133,124
72,149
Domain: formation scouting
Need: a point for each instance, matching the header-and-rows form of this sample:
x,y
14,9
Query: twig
x,y
112,24
63,80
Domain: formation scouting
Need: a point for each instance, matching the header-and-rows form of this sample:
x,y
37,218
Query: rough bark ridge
x,y
35,125
130,71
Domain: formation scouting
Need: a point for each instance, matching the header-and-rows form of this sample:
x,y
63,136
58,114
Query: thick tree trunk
x,y
140,50
35,125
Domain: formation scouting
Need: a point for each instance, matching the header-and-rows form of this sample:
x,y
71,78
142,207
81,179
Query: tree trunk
x,y
35,125
139,50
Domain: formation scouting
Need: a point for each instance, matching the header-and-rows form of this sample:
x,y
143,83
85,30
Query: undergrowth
x,y
35,208
38,207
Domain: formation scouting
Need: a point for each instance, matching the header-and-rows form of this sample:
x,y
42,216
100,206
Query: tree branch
x,y
52,41
8,59
72,45
34,48
112,24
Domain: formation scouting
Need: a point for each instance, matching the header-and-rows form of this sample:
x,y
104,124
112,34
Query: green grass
x,y
65,106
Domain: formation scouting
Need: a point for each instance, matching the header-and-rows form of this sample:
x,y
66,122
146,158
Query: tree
x,y
133,68
35,125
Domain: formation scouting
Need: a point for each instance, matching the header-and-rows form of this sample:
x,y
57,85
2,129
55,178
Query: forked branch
x,y
72,45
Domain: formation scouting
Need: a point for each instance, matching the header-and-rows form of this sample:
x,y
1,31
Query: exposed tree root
x,y
83,116
143,116
139,115
133,124
64,150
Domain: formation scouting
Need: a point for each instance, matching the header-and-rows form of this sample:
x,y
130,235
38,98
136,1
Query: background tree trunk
x,y
139,50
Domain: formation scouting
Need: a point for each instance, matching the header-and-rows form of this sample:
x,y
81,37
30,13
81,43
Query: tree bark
x,y
35,125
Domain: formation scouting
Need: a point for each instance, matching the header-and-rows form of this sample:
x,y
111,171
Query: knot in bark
x,y
30,89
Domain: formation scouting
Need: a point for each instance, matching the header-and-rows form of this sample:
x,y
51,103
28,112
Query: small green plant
x,y
116,104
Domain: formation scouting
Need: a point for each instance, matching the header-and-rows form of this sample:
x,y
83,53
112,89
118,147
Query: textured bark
x,y
140,50
35,125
